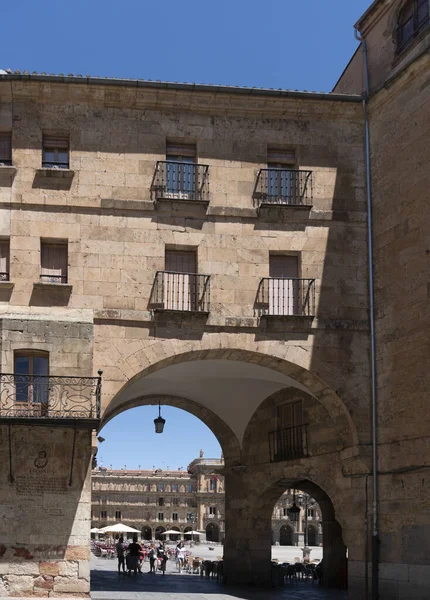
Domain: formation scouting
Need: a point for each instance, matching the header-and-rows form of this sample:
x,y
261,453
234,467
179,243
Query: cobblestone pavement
x,y
106,584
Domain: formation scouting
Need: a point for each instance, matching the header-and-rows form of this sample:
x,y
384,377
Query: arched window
x,y
413,18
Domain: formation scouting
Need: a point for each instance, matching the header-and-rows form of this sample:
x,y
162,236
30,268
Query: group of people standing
x,y
136,555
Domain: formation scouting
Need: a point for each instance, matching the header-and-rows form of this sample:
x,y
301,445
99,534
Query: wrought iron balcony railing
x,y
181,181
53,278
49,396
284,187
184,292
4,276
288,444
281,296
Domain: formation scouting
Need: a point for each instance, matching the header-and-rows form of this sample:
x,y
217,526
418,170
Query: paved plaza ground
x,y
106,584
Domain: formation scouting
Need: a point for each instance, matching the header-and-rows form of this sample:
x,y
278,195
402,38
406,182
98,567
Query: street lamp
x,y
159,421
306,501
294,511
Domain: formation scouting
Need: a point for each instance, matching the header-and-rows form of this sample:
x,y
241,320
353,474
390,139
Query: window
x,y
160,501
103,515
118,515
175,501
31,382
283,285
285,512
311,513
175,487
103,499
55,153
413,17
4,260
213,484
189,487
161,516
175,516
180,170
212,510
281,174
190,517
5,149
290,415
53,261
160,487
180,286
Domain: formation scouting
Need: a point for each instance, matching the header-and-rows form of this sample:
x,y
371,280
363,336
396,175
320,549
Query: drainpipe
x,y
375,524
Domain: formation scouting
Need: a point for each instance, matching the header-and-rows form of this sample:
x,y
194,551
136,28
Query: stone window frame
x,y
118,515
417,27
31,354
175,516
103,515
57,145
160,516
6,148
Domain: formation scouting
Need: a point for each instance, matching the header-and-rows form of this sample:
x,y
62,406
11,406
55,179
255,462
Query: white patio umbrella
x,y
171,532
192,532
118,528
95,530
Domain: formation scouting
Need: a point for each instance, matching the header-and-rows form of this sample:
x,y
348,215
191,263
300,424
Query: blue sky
x,y
293,44
302,44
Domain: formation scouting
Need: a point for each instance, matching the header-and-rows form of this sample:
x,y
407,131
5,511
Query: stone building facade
x,y
206,247
182,501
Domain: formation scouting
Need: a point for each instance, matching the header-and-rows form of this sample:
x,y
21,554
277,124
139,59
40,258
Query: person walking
x,y
180,556
152,558
120,554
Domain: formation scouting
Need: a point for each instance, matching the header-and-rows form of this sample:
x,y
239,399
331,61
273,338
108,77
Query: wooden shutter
x,y
283,285
54,262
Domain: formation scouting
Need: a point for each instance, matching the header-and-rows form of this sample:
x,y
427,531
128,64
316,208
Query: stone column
x,y
334,556
247,546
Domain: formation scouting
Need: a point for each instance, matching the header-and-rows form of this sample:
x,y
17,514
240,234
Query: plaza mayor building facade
x,y
256,257
189,500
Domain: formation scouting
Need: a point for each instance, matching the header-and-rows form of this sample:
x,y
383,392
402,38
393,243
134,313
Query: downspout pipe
x,y
375,505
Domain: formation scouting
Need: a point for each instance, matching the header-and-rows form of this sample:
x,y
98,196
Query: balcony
x,y
181,181
284,187
50,398
287,297
181,292
288,444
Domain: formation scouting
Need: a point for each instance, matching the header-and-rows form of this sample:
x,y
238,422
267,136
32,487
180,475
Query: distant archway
x,y
146,533
286,536
187,536
159,531
212,532
174,537
312,537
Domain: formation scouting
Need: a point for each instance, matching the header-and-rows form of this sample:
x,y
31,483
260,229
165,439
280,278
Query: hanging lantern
x,y
159,421
293,511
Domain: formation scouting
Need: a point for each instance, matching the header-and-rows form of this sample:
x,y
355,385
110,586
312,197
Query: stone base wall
x,y
45,512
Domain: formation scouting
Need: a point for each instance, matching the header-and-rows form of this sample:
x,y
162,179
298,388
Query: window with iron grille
x,y
55,152
281,173
103,514
4,260
180,169
5,149
53,259
175,516
212,510
31,382
118,515
161,516
413,18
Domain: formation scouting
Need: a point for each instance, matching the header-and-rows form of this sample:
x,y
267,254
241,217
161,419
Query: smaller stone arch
x,y
187,536
159,532
212,532
287,535
312,535
146,533
174,537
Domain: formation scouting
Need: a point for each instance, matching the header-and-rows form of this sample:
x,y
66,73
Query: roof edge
x,y
194,87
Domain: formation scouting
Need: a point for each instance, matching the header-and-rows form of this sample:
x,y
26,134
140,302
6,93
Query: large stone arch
x,y
294,375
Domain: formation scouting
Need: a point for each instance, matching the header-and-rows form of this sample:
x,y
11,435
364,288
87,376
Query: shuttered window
x,y
5,149
4,260
290,415
53,258
282,159
55,152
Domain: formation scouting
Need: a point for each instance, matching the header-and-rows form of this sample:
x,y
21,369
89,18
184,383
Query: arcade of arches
x,y
243,397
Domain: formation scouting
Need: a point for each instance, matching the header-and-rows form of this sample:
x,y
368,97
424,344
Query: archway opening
x,y
159,532
212,532
310,534
174,537
146,533
286,536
